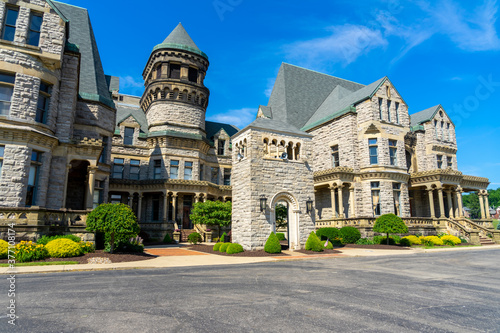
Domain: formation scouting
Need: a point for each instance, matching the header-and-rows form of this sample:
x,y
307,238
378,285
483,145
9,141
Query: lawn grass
x,y
42,263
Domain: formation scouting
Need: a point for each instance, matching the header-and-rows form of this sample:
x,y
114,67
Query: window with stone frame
x,y
9,25
227,176
135,169
98,193
202,171
442,130
104,155
335,156
42,108
118,168
396,106
188,170
2,150
388,110
174,169
375,189
448,132
373,147
36,162
436,129
157,169
220,146
440,161
193,74
449,160
6,90
393,152
158,71
396,189
175,71
35,28
214,175
380,101
115,198
128,136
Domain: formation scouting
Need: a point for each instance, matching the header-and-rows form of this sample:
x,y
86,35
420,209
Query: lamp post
x,y
263,201
309,205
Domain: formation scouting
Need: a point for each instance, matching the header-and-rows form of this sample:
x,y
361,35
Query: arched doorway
x,y
293,217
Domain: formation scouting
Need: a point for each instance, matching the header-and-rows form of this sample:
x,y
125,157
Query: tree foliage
x,y
471,201
212,213
281,212
272,244
117,221
390,224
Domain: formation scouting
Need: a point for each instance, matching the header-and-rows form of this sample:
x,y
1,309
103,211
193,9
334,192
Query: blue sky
x,y
435,52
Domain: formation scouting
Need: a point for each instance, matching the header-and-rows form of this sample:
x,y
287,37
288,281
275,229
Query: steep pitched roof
x,y
180,39
340,101
113,83
93,84
424,116
275,125
212,127
299,92
123,111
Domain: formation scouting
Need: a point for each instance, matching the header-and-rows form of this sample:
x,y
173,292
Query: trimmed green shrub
x,y
234,248
28,251
223,247
414,240
450,240
365,241
432,240
328,233
132,245
405,242
463,240
281,236
45,239
194,238
223,237
63,248
272,244
390,224
313,243
217,246
328,246
4,249
167,239
349,235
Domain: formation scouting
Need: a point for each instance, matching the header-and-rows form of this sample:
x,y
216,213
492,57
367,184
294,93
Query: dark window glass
x,y
440,161
35,28
227,176
373,151
193,74
174,169
42,109
393,152
36,158
118,168
128,136
215,175
135,169
9,29
388,110
397,112
335,156
221,144
157,169
188,170
103,158
175,71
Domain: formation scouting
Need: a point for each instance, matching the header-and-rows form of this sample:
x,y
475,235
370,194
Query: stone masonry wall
x,y
91,114
57,182
25,97
15,171
175,113
52,34
67,98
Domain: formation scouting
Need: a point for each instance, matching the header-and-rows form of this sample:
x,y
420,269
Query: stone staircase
x,y
185,234
486,241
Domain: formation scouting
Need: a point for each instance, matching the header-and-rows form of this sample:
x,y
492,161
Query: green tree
x,y
390,224
212,213
494,198
471,201
116,221
281,216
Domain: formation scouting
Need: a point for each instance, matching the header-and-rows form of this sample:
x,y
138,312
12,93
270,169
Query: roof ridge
x,y
311,70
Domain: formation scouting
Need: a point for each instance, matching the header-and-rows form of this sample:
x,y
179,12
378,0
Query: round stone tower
x,y
175,99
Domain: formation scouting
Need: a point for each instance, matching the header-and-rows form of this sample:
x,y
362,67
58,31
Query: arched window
x,y
289,150
266,146
297,152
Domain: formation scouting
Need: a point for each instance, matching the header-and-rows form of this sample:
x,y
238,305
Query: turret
x,y
175,98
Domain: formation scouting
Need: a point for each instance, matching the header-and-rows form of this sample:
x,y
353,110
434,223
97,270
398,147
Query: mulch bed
x,y
115,257
259,253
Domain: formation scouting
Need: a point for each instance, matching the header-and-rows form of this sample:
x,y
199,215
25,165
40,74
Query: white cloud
x,y
131,86
345,44
269,87
239,118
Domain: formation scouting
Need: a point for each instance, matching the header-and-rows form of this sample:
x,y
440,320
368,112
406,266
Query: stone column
x,y
450,204
431,203
174,204
460,204
334,204
481,204
341,202
139,207
130,199
352,201
165,206
196,197
487,204
455,204
90,188
65,190
441,203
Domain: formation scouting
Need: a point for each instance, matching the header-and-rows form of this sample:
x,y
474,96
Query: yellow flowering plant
x,y
25,251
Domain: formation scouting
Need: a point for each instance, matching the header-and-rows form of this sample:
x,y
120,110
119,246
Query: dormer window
x,y
128,136
220,147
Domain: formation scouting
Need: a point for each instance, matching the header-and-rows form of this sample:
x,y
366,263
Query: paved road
x,y
438,292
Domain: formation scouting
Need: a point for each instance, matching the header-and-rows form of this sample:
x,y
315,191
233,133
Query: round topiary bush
x,y
167,239
432,240
234,248
328,246
63,248
349,235
4,249
45,239
194,238
390,224
327,233
313,243
223,247
281,236
414,240
272,244
450,240
405,242
217,246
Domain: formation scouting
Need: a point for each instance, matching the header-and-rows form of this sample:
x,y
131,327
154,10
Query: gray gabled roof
x,y
212,127
123,111
274,125
299,92
424,115
93,84
340,101
180,39
113,83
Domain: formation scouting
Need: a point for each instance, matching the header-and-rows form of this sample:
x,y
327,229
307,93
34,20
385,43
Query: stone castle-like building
x,y
337,152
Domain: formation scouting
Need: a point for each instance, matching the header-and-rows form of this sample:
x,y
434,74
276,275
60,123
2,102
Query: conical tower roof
x,y
179,39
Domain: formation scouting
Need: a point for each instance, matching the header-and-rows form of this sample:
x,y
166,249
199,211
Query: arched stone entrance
x,y
293,217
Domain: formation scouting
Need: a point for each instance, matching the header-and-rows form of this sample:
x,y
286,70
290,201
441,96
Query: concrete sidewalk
x,y
203,259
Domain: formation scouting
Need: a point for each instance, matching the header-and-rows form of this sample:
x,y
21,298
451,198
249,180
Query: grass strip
x,y
45,263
